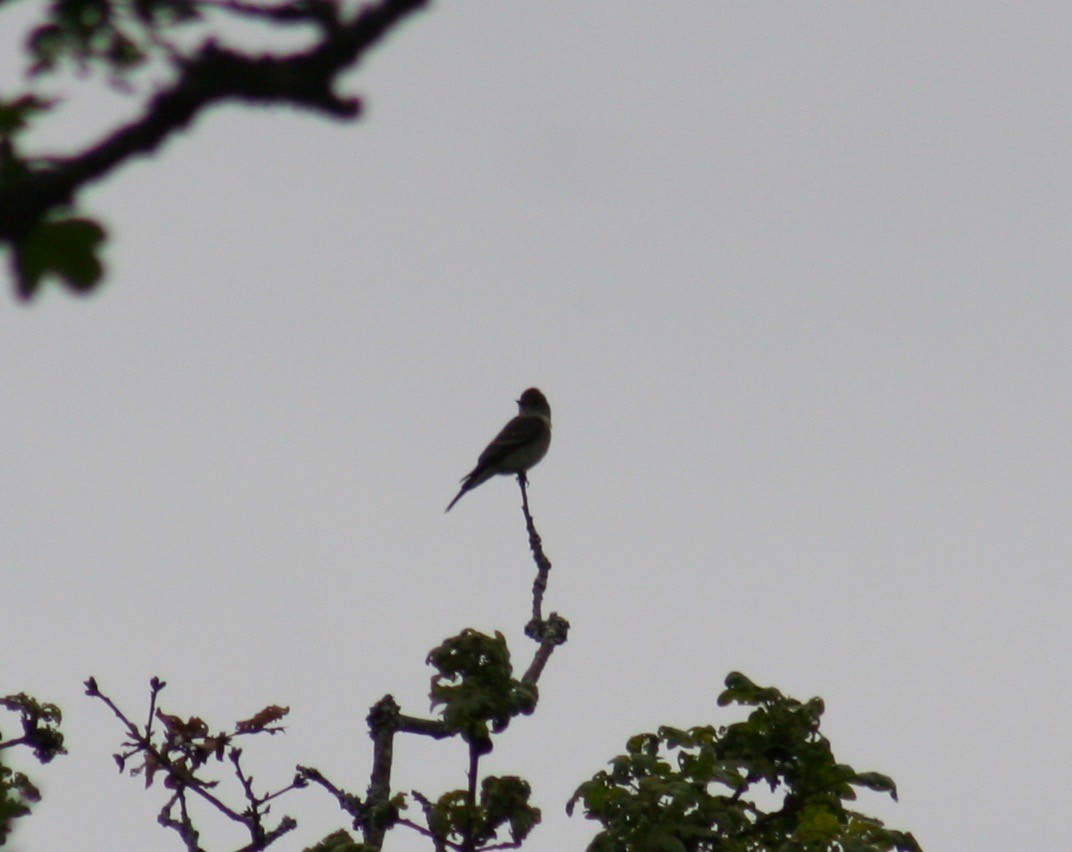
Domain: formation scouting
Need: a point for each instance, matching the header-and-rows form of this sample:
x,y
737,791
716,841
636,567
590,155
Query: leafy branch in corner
x,y
40,722
123,37
695,789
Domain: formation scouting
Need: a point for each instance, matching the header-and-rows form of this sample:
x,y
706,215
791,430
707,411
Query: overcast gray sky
x,y
795,279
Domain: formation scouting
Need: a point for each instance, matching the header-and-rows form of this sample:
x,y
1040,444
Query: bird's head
x,y
533,401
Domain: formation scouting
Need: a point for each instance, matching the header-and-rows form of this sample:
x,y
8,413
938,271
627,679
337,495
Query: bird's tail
x,y
469,482
458,496
477,476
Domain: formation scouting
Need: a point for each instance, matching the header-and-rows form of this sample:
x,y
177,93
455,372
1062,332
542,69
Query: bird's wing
x,y
520,431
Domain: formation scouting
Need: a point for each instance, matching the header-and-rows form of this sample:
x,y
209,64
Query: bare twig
x,y
350,803
183,826
155,686
187,745
543,564
550,632
469,841
441,844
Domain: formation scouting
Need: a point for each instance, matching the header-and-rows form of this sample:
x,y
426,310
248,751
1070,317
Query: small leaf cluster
x,y
58,244
503,804
474,686
17,791
340,841
768,783
475,695
40,723
15,117
117,35
66,248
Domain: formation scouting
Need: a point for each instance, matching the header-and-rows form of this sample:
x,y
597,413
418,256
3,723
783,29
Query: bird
x,y
521,443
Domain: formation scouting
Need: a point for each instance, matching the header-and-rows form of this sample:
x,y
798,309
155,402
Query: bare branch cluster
x,y
183,751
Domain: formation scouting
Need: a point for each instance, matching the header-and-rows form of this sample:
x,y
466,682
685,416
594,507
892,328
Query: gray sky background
x,y
795,279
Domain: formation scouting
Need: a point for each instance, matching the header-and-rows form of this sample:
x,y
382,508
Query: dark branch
x,y
324,12
469,841
437,729
350,803
383,721
440,844
550,634
183,826
553,631
186,745
214,74
543,564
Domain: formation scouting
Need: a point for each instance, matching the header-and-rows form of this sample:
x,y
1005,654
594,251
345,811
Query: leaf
x,y
875,781
66,249
259,721
741,690
338,841
660,794
15,115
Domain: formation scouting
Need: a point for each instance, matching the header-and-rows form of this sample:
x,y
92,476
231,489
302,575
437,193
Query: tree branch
x,y
186,746
543,564
550,634
469,840
212,75
383,722
554,630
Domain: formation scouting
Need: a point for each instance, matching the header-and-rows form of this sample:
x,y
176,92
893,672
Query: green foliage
x,y
15,115
503,803
137,44
40,726
66,249
506,802
16,792
118,35
40,732
696,790
477,696
474,686
340,841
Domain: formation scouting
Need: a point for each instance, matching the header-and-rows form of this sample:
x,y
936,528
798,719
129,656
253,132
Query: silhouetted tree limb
x,y
554,630
181,750
31,190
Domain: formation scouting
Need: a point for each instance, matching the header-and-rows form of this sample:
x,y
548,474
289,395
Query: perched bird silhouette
x,y
521,443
